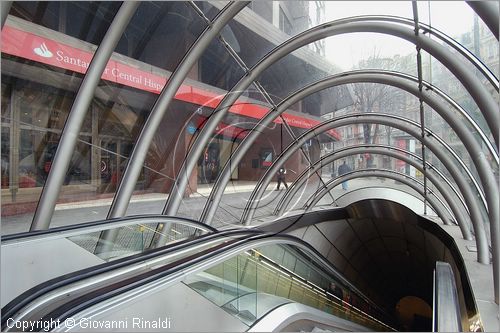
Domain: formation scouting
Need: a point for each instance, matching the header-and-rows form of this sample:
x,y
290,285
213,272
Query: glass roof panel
x,y
464,25
442,78
157,25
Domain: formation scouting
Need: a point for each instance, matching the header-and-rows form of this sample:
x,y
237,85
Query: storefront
x,y
42,70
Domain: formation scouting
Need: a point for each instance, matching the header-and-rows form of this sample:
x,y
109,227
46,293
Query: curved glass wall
x,y
46,48
129,87
141,65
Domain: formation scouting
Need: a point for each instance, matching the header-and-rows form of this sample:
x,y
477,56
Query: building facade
x,y
48,46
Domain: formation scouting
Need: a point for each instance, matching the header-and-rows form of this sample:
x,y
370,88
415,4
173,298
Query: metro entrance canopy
x,y
211,113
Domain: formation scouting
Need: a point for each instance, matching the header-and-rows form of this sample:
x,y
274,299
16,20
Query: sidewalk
x,y
203,191
229,212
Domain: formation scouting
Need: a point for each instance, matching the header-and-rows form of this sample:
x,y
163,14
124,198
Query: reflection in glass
x,y
253,283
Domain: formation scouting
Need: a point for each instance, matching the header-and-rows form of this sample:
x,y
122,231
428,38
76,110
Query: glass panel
x,y
442,78
156,25
291,73
218,68
87,21
134,237
465,27
38,89
208,9
219,150
252,284
130,85
253,34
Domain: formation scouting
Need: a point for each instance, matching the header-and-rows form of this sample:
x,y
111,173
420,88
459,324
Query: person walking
x,y
343,169
281,178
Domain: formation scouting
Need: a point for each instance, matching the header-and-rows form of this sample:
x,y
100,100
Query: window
x,y
285,25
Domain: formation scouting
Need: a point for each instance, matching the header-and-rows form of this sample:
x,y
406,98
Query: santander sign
x,y
44,50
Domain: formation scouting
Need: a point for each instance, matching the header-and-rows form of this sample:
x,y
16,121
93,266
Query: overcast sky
x,y
451,17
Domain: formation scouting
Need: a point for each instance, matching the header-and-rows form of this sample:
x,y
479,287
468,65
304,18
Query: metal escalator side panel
x,y
82,280
153,282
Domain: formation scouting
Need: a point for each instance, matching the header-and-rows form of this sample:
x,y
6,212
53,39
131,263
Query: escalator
x,y
234,280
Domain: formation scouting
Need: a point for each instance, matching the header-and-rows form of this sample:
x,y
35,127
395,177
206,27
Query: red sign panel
x,y
33,47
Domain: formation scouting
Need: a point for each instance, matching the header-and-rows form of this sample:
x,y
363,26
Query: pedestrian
x,y
337,293
343,169
281,178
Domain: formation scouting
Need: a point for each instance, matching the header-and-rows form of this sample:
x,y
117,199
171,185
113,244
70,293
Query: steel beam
x,y
395,79
394,152
138,156
488,12
71,130
405,125
483,99
436,203
5,9
139,153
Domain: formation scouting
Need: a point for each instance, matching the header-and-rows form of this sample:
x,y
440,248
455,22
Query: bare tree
x,y
374,97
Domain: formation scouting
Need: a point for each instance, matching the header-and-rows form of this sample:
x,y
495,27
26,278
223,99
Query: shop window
x,y
266,158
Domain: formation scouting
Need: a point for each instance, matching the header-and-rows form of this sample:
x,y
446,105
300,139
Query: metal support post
x,y
71,130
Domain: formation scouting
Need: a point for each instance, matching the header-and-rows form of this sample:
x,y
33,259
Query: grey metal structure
x,y
361,24
390,120
434,201
138,155
407,29
393,78
69,135
134,166
4,9
488,11
397,153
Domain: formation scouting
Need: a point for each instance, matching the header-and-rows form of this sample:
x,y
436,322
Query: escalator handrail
x,y
171,272
446,312
31,294
96,226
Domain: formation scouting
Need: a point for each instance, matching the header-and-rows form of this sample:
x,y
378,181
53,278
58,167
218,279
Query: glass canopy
x,y
240,113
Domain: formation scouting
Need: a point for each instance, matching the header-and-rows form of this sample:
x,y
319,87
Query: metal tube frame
x,y
5,9
71,130
343,78
488,12
458,213
391,174
138,155
391,120
223,178
421,102
387,151
360,24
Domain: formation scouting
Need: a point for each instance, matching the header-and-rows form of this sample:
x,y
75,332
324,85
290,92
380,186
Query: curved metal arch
x,y
396,79
429,87
387,151
326,159
69,135
425,28
486,103
488,11
138,156
384,119
5,8
390,174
